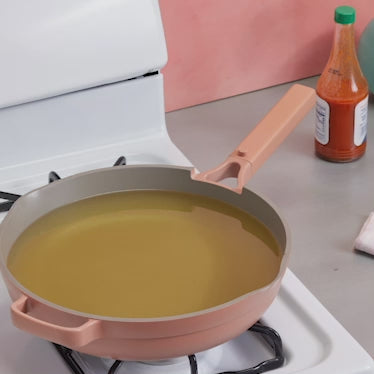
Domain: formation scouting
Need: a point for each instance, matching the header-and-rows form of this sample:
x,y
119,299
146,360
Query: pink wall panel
x,y
221,48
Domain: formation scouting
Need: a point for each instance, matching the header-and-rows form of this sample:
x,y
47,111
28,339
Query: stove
x,y
80,116
203,362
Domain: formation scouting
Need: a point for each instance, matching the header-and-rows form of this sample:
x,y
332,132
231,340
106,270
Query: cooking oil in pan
x,y
144,254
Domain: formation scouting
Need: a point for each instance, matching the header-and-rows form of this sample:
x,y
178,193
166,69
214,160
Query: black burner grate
x,y
52,176
10,197
270,336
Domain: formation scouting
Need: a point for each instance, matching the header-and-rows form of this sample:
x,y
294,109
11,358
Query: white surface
x,y
49,48
76,122
157,148
361,121
365,240
322,121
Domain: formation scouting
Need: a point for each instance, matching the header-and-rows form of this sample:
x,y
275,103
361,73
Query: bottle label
x,y
361,121
322,121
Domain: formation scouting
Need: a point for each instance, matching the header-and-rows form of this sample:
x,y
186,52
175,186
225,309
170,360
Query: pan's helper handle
x,y
72,337
256,148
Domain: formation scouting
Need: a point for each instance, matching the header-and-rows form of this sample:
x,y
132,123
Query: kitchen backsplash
x,y
221,48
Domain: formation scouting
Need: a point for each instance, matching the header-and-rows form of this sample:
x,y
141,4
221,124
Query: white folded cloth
x,y
365,240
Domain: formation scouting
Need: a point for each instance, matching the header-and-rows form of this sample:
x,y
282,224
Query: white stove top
x,y
313,341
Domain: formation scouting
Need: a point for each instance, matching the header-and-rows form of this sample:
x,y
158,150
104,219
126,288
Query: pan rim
x,y
28,293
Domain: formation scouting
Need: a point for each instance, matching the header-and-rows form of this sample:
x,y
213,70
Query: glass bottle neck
x,y
342,76
344,40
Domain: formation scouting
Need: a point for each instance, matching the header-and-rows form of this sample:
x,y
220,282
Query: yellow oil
x,y
144,254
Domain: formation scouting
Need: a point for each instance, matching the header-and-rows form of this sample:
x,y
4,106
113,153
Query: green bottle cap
x,y
345,15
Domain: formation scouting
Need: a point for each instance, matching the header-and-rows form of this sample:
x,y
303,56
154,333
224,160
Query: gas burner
x,y
10,197
76,361
52,177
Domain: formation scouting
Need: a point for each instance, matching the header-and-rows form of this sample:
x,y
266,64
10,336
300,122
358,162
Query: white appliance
x,y
81,87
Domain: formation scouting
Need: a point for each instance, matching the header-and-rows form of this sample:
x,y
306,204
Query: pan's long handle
x,y
72,337
256,148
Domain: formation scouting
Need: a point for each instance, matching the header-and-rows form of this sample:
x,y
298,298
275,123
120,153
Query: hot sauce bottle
x,y
342,97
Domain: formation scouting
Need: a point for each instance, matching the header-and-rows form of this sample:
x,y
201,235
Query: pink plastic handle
x,y
72,337
257,147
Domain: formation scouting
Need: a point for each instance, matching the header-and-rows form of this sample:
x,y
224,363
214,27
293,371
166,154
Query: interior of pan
x,y
39,202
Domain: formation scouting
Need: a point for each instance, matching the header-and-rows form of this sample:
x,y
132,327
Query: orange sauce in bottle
x,y
341,111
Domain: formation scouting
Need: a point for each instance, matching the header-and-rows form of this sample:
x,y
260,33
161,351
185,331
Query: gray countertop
x,y
324,203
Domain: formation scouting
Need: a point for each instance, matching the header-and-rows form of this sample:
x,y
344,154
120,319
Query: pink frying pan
x,y
165,337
